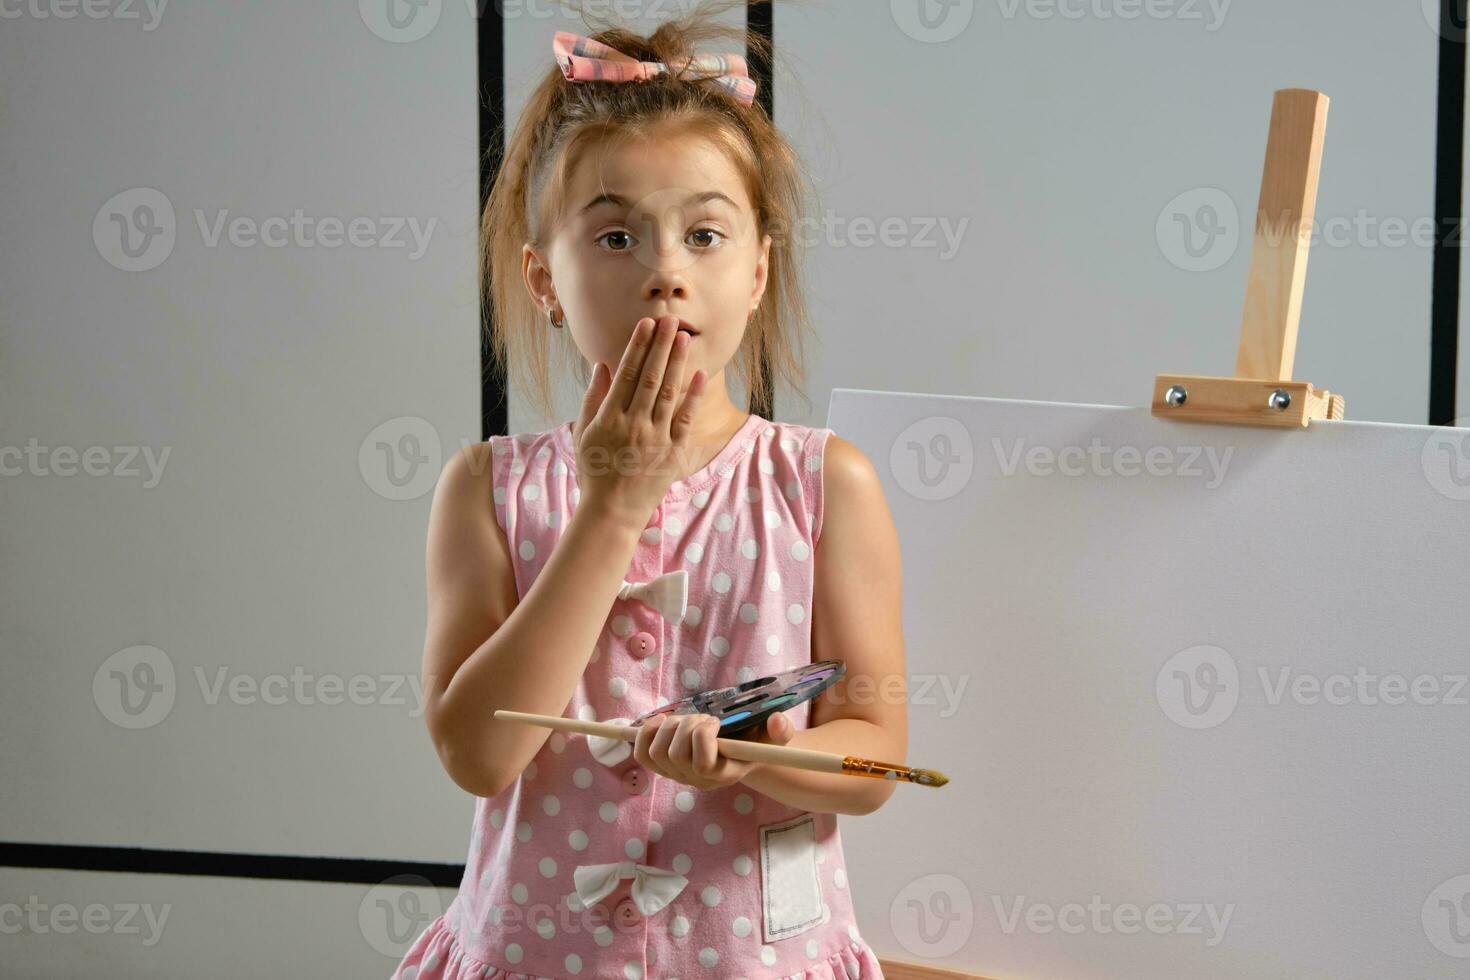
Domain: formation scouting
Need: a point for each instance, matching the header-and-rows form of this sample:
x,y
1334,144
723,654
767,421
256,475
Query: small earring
x,y
551,316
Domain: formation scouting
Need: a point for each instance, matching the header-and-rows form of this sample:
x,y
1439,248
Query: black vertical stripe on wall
x,y
759,21
1449,172
490,47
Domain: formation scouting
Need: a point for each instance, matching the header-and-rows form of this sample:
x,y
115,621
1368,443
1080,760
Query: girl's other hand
x,y
682,748
631,430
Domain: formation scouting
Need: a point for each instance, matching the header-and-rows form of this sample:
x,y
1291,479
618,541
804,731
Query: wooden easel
x,y
1262,392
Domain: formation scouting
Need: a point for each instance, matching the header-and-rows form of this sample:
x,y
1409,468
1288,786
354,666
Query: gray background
x,y
307,396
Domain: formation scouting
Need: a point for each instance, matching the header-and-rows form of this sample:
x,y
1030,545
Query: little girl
x,y
662,543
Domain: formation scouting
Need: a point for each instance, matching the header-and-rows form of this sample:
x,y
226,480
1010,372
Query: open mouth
x,y
686,328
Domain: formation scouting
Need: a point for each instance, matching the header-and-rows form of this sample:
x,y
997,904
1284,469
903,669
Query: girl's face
x,y
653,228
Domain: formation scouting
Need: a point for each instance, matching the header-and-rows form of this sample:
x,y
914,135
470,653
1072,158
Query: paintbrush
x,y
746,751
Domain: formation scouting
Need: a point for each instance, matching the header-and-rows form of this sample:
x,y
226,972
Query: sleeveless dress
x,y
591,866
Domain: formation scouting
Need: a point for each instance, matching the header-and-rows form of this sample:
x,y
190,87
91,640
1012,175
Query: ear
x,y
762,270
537,276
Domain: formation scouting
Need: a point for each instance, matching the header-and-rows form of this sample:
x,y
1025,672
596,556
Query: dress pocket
x,y
791,890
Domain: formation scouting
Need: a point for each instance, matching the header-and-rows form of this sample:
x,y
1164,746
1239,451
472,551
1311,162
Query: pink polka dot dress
x,y
591,866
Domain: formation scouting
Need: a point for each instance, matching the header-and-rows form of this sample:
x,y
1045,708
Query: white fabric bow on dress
x,y
669,594
610,751
653,888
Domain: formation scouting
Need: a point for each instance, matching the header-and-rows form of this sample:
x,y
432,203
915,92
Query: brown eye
x,y
706,231
622,234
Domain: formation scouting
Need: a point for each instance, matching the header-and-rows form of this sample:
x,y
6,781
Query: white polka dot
x,y
768,956
744,804
547,867
576,495
531,769
740,927
679,927
602,936
713,834
587,713
608,812
749,612
695,552
518,893
500,495
632,970
531,492
674,525
742,865
528,550
553,518
793,489
813,463
578,840
634,848
750,549
582,777
618,687
497,819
719,646
773,644
682,863
693,615
773,518
652,535
622,625
543,452
795,613
523,831
655,831
551,805
518,466
752,494
684,800
773,581
720,583
744,674
766,466
839,878
811,949
800,550
710,896
558,742
852,931
559,467
708,957
513,953
724,522
701,499
573,963
691,679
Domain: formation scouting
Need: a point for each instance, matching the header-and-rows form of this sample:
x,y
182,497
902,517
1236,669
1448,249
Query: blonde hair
x,y
563,119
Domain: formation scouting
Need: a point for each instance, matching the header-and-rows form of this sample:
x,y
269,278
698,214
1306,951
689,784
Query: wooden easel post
x,y
1262,392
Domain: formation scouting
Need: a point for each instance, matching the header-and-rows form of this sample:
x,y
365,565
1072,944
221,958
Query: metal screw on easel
x,y
1280,399
1176,395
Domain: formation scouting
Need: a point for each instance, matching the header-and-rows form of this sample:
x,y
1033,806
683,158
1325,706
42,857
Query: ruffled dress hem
x,y
437,955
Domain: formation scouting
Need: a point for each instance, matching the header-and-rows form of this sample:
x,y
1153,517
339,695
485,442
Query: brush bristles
x,y
929,777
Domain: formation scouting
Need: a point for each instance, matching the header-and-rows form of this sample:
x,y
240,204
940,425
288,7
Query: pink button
x,y
627,914
642,644
635,781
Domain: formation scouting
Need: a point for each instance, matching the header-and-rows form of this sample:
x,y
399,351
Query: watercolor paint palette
x,y
747,705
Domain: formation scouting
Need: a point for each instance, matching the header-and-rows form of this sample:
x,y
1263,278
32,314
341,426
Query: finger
x,y
668,393
706,753
630,368
684,417
643,742
681,745
597,388
651,380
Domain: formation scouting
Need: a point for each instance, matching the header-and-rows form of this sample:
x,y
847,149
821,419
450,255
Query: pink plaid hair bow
x,y
584,60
